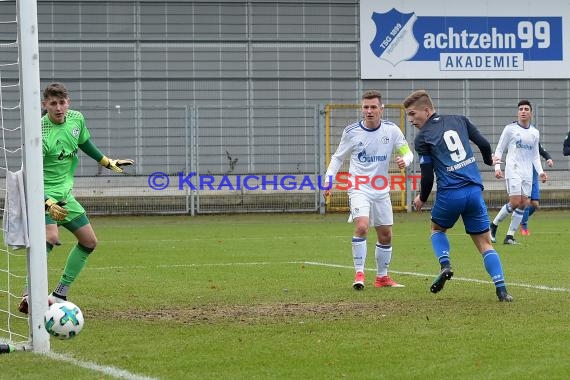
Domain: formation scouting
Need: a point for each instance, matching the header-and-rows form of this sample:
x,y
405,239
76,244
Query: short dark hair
x,y
57,90
524,102
372,94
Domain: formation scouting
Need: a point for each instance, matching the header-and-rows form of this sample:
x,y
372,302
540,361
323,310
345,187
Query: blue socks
x,y
491,259
527,213
493,266
440,245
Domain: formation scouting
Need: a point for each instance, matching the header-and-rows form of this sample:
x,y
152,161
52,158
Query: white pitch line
x,y
107,370
416,274
539,287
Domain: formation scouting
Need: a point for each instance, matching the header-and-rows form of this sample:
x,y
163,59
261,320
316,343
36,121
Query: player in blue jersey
x,y
534,204
443,147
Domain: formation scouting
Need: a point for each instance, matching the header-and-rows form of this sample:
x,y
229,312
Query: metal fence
x,y
207,159
204,160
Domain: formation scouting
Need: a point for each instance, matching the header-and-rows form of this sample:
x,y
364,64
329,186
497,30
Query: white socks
x,y
383,258
505,210
359,253
515,221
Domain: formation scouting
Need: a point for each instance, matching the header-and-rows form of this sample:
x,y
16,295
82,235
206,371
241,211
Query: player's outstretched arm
x,y
112,164
115,165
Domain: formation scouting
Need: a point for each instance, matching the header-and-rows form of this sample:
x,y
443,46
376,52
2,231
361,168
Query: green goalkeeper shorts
x,y
76,216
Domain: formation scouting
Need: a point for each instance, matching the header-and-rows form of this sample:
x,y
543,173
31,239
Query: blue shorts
x,y
535,192
466,202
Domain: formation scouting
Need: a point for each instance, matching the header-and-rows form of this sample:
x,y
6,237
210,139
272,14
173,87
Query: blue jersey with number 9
x,y
444,141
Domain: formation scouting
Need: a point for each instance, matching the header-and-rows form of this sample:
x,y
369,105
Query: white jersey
x,y
522,145
370,152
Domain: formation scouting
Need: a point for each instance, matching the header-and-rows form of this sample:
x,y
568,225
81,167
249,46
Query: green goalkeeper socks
x,y
75,263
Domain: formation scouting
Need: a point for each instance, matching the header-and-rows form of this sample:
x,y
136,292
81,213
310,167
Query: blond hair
x,y
418,98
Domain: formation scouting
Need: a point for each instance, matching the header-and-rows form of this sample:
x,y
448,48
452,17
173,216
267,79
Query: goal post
x,y
337,117
30,114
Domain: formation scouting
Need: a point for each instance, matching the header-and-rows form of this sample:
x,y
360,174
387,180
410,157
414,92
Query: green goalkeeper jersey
x,y
60,144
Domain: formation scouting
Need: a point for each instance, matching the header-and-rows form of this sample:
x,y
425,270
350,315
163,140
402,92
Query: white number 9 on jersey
x,y
454,145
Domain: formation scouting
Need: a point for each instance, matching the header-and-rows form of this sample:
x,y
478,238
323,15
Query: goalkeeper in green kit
x,y
63,134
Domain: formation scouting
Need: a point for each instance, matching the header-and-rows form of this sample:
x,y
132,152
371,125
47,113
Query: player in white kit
x,y
370,143
521,141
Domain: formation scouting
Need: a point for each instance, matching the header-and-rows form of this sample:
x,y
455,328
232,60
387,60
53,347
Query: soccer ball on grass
x,y
63,320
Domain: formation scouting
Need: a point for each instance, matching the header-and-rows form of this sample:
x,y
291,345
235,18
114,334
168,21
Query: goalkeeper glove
x,y
55,210
115,165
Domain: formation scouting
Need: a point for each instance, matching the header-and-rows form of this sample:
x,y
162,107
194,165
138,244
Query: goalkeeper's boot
x,y
494,232
386,282
56,298
445,275
358,281
503,296
23,306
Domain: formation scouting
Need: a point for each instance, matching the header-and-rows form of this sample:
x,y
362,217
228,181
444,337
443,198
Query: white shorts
x,y
519,186
378,208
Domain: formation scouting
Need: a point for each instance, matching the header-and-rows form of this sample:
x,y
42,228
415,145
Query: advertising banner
x,y
442,39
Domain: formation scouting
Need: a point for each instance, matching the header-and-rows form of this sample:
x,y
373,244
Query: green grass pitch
x,y
270,297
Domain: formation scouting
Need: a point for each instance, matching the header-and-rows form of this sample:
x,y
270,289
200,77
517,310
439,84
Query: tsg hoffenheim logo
x,y
394,41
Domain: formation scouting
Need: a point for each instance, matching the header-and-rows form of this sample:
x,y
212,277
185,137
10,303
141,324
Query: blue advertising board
x,y
443,39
